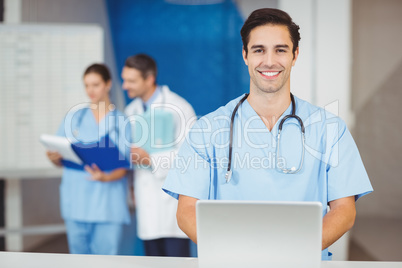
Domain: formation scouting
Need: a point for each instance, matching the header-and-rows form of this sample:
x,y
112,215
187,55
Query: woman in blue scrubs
x,y
94,203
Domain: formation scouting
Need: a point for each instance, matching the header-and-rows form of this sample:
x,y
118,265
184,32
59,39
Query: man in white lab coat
x,y
156,211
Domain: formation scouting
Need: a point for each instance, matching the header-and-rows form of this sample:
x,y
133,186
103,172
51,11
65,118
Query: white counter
x,y
44,260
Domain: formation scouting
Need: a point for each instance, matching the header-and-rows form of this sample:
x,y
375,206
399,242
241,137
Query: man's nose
x,y
269,59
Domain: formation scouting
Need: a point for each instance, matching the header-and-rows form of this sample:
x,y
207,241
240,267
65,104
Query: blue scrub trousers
x,y
169,247
94,238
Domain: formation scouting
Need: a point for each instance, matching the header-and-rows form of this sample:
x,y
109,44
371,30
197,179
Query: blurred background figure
x,y
167,118
93,203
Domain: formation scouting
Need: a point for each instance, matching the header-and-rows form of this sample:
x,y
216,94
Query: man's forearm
x,y
186,216
338,220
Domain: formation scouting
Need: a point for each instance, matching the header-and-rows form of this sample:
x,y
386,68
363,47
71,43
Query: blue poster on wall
x,y
197,47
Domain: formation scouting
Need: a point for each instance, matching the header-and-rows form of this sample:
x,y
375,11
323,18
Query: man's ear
x,y
150,80
295,56
109,85
245,56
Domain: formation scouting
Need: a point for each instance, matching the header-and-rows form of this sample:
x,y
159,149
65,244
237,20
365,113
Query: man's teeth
x,y
270,73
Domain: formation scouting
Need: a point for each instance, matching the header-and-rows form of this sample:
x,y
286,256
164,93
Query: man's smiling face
x,y
270,58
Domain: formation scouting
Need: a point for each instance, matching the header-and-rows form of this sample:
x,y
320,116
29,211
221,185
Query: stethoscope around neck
x,y
285,170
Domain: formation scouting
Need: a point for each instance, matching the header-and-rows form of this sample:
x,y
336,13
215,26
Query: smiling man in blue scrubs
x,y
326,167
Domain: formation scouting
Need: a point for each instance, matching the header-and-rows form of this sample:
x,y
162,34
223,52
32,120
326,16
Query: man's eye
x,y
258,51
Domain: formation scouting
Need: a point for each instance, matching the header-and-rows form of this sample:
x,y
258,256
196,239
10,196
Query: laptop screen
x,y
259,234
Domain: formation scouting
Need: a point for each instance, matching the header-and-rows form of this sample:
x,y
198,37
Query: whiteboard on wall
x,y
41,68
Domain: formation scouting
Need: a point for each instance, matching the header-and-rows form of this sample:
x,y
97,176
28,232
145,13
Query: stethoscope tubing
x,y
229,171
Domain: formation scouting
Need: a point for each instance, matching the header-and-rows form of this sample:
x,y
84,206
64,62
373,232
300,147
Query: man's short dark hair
x,y
143,63
272,16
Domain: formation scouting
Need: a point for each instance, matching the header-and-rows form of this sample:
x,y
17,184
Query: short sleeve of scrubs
x,y
345,170
190,174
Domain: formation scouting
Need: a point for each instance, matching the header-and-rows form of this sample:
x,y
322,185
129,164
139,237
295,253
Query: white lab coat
x,y
156,210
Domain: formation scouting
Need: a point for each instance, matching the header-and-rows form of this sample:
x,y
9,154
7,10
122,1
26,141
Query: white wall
x,y
247,6
77,11
322,73
303,78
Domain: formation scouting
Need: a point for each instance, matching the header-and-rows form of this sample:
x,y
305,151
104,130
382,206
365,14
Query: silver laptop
x,y
259,234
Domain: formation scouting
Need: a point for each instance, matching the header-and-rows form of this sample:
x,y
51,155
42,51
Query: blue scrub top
x,y
332,167
82,199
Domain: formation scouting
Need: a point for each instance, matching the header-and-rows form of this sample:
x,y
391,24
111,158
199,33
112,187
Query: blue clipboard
x,y
104,153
